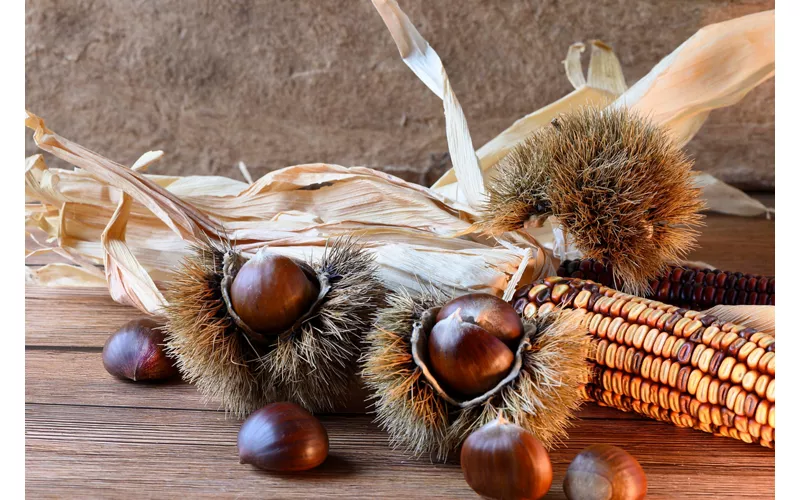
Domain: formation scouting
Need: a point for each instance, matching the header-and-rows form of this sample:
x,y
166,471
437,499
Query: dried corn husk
x,y
140,226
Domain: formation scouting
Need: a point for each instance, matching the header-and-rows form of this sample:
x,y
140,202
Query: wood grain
x,y
91,435
126,449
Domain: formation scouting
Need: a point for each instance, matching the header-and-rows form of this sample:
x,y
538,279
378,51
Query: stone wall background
x,y
281,82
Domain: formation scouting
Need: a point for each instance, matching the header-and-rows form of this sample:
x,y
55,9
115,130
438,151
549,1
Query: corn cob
x,y
685,286
666,362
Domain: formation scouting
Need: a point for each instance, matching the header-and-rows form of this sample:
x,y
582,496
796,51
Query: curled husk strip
x,y
540,394
313,363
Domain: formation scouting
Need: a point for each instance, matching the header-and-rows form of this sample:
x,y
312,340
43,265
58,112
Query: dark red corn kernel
x,y
711,278
592,301
685,353
522,291
738,274
697,294
716,360
686,293
751,283
671,296
730,281
762,284
719,295
720,281
568,297
771,300
771,286
762,299
675,275
585,265
730,297
708,320
688,275
598,267
519,304
591,287
708,295
663,291
748,276
752,298
747,333
572,266
741,283
741,298
542,296
576,274
733,349
699,278
606,278
671,321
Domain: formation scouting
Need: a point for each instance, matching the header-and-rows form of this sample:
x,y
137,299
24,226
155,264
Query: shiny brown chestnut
x,y
282,437
491,313
136,352
605,472
271,292
467,358
502,460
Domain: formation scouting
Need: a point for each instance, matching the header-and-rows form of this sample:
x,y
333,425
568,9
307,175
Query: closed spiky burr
x,y
540,393
312,363
614,182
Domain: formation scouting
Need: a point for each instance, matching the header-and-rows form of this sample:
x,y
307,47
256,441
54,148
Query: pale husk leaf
x,y
140,226
425,63
762,318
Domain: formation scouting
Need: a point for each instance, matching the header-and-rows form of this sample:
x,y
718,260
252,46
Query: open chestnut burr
x,y
249,332
440,369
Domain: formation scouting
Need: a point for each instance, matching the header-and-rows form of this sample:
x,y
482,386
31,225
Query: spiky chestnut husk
x,y
615,182
542,398
314,364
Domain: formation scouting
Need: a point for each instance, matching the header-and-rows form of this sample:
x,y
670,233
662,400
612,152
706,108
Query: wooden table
x,y
91,435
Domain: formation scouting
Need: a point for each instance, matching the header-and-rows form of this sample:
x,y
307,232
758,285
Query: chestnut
x,y
467,358
282,437
136,352
605,472
491,313
271,292
502,460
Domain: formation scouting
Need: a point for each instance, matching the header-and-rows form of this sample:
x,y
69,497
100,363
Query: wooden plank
x,y
72,316
80,379
98,451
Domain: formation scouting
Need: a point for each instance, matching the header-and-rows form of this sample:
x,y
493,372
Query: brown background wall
x,y
281,82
